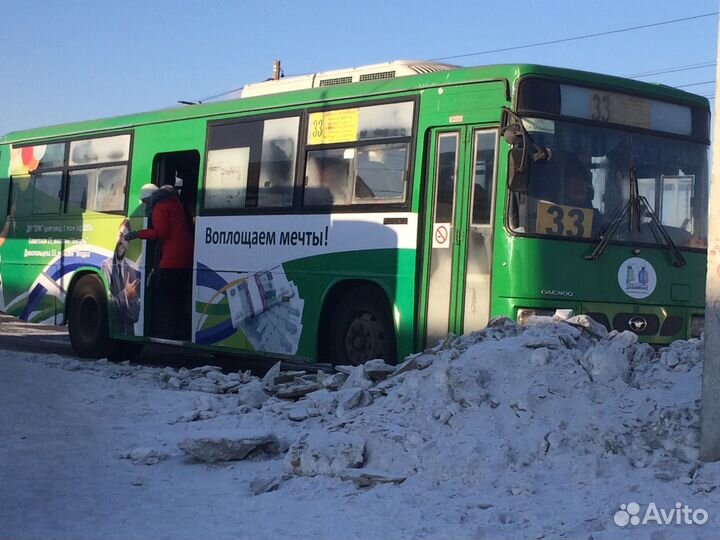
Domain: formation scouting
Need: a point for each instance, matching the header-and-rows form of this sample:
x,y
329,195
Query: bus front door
x,y
461,188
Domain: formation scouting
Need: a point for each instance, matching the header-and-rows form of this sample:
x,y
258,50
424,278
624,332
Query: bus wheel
x,y
88,318
362,329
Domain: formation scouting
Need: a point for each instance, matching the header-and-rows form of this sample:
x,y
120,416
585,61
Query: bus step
x,y
164,341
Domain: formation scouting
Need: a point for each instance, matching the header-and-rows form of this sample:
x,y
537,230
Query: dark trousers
x,y
173,301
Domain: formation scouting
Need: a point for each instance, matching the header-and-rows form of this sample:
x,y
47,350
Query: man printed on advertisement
x,y
124,286
5,231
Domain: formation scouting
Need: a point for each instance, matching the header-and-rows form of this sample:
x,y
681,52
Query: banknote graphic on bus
x,y
263,307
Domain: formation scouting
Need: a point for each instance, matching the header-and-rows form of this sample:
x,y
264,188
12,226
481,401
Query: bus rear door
x,y
459,206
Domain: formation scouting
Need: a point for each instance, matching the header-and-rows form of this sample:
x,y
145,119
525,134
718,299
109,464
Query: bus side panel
x,y
47,236
26,251
261,279
5,223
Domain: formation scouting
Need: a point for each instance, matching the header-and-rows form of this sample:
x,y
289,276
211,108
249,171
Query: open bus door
x,y
459,206
181,170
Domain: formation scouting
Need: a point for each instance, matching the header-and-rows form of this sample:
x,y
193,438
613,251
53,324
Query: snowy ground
x,y
538,432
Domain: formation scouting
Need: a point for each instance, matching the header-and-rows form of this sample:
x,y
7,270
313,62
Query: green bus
x,y
368,212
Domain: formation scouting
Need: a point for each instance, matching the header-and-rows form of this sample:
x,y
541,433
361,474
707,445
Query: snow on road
x,y
512,432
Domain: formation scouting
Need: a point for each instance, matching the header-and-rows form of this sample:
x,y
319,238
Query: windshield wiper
x,y
635,207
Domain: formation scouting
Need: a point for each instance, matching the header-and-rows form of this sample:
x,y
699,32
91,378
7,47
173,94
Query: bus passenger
x,y
329,184
578,188
172,292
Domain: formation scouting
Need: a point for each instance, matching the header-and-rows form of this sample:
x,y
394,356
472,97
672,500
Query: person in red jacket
x,y
170,226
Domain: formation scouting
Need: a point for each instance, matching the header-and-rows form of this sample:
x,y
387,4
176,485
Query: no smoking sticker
x,y
441,236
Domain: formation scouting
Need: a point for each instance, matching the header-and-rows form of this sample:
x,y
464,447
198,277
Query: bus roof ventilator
x,y
373,72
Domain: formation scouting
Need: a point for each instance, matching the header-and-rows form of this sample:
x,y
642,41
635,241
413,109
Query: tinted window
x,y
251,164
381,173
100,150
47,193
101,190
40,157
372,165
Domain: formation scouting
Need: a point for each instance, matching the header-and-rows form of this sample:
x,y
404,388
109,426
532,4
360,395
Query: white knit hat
x,y
146,191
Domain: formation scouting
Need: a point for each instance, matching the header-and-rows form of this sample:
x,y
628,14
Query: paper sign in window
x,y
333,126
561,220
226,181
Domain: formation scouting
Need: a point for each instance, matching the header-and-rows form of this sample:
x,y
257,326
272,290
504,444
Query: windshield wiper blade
x,y
636,206
608,232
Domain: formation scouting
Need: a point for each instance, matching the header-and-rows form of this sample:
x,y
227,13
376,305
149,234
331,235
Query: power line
x,y
208,98
576,38
586,36
692,84
675,69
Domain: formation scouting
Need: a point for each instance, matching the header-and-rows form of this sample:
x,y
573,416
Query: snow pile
x,y
557,411
515,432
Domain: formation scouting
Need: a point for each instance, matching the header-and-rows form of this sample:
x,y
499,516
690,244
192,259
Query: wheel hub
x,y
364,338
89,316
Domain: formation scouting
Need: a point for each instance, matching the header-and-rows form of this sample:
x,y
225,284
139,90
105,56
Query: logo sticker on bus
x,y
637,278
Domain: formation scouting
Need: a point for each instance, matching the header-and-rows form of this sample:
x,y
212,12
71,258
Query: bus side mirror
x,y
513,134
518,180
518,162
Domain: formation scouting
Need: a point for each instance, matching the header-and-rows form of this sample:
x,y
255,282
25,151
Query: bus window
x,y
677,201
251,164
41,157
47,193
100,190
227,178
381,173
482,190
447,164
36,178
328,181
371,168
110,192
21,195
100,150
78,191
97,178
277,165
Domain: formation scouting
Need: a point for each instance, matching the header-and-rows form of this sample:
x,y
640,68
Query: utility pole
x,y
710,413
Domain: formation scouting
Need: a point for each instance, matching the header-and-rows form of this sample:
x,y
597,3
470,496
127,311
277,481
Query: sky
x,y
79,60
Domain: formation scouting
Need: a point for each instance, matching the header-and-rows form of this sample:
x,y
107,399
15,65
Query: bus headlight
x,y
524,314
697,325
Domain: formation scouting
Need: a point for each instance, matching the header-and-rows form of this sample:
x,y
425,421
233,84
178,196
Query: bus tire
x,y
88,318
361,328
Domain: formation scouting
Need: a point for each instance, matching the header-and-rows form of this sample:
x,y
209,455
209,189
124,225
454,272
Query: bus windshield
x,y
587,182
